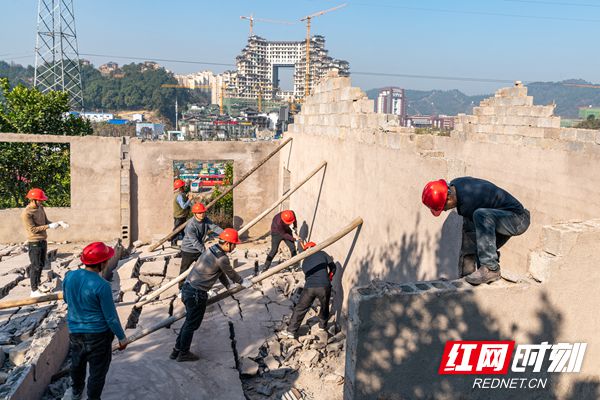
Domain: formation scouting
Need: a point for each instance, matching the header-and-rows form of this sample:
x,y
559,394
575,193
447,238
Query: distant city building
x,y
443,122
150,65
97,117
137,117
585,112
391,100
83,61
149,131
108,68
260,61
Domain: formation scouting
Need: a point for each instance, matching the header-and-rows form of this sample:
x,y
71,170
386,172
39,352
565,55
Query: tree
x,y
590,123
222,211
27,165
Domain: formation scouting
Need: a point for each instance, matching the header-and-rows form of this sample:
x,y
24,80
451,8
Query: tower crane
x,y
308,18
271,21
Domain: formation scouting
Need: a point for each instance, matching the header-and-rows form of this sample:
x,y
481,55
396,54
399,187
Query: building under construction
x,y
259,64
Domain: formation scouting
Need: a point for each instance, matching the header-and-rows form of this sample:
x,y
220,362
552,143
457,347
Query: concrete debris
x,y
153,268
3,377
309,358
247,366
151,280
17,354
271,362
138,244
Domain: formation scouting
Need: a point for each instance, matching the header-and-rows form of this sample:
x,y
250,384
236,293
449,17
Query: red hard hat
x,y
96,253
288,216
434,196
36,194
230,235
309,245
198,208
178,184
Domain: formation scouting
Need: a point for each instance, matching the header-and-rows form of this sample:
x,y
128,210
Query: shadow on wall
x,y
400,348
400,260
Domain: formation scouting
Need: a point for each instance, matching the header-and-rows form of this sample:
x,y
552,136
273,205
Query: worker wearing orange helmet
x,y
36,224
196,232
213,264
181,208
318,269
283,228
92,320
491,216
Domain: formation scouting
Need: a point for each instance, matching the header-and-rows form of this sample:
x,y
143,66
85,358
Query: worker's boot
x,y
267,263
483,275
467,264
187,356
174,354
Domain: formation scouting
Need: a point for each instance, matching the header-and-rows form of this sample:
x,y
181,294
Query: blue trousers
x,y
489,230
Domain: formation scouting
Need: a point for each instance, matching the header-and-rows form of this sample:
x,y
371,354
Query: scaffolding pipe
x,y
238,288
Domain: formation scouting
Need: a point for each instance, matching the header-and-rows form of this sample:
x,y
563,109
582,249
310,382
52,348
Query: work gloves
x,y
211,293
54,225
246,283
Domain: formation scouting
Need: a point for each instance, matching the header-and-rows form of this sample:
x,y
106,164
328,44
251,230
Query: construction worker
x,y
281,231
211,265
36,224
196,232
92,319
491,216
318,269
181,208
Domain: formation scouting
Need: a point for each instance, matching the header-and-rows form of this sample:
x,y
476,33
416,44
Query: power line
x,y
555,3
159,59
476,12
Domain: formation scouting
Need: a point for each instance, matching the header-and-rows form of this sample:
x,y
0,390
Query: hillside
x,y
568,99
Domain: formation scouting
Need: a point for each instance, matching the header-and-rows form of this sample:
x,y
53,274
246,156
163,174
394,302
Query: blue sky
x,y
529,40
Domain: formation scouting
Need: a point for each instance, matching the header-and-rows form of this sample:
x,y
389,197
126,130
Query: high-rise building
x,y
259,64
391,100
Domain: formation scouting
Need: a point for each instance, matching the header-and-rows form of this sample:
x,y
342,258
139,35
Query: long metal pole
x,y
212,203
149,297
272,271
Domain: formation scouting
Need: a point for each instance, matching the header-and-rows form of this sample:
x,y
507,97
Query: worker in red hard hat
x,y
283,228
491,216
181,208
195,233
213,264
92,319
318,269
36,225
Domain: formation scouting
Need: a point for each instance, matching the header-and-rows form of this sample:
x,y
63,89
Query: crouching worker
x,y
93,321
194,293
318,269
281,230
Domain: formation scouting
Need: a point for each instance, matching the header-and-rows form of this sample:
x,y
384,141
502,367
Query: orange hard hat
x,y
198,208
309,245
36,194
434,196
96,253
178,184
230,235
288,216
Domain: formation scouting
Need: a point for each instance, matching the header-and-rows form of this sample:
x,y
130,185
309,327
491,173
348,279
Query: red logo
x,y
476,357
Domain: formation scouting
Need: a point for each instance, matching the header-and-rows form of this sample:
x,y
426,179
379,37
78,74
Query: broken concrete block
x,y
309,358
559,239
333,347
247,366
151,280
127,268
173,268
337,338
17,353
541,265
127,285
138,243
130,297
8,282
3,377
153,267
271,362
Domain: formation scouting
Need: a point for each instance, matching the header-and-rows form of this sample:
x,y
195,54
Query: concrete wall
x,y
152,180
397,332
377,170
95,191
96,186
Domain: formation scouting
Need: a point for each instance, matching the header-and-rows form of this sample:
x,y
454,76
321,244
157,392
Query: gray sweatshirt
x,y
195,234
211,265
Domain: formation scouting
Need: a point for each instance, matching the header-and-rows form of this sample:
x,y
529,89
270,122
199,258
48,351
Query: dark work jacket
x,y
283,229
474,193
209,267
316,268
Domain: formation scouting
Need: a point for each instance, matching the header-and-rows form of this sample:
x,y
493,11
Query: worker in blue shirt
x,y
93,321
181,208
491,216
